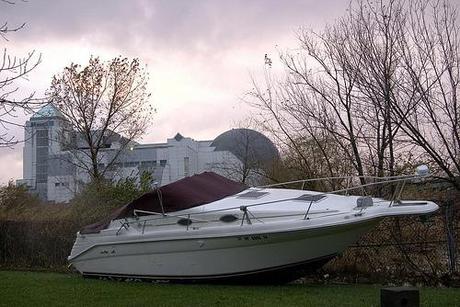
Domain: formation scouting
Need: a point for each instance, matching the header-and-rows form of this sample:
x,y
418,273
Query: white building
x,y
53,172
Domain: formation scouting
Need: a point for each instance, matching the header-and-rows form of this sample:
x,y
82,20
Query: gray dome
x,y
247,144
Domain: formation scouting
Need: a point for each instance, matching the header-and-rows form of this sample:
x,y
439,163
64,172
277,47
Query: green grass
x,y
54,289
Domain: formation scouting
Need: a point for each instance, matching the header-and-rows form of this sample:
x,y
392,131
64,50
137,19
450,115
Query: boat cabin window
x,y
310,197
184,222
228,218
252,195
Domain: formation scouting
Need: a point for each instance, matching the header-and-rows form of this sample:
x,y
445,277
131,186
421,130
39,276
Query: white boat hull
x,y
275,238
223,256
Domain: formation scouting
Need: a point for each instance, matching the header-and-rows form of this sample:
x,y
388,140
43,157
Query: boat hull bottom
x,y
277,275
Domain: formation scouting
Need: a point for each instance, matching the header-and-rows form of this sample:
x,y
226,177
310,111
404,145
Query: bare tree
x,y
430,112
374,30
320,95
324,158
381,82
103,104
12,69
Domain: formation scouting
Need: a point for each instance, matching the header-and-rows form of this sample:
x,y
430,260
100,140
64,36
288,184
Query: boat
x,y
209,228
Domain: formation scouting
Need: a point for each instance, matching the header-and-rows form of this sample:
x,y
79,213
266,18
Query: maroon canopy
x,y
183,194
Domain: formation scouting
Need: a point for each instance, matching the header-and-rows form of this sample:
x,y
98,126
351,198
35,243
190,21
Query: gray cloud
x,y
10,164
166,24
208,32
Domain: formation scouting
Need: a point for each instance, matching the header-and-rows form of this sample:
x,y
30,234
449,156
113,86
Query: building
x,y
52,171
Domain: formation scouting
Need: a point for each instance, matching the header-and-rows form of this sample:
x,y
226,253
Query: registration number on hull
x,y
253,237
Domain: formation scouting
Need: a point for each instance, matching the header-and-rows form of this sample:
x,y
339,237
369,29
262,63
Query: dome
x,y
49,110
247,144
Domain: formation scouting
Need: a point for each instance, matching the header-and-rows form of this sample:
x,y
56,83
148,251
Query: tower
x,y
41,135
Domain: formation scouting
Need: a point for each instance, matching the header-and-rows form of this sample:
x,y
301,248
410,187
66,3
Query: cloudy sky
x,y
200,54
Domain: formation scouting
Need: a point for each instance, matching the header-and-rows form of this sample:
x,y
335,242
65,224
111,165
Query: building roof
x,y
49,110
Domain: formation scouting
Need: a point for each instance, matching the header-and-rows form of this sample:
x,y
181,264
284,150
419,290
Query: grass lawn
x,y
53,289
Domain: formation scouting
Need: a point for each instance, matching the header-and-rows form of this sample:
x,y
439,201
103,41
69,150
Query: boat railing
x,y
247,214
304,181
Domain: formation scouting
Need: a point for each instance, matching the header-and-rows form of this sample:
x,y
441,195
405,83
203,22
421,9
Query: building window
x,y
42,169
42,178
148,163
186,166
163,163
130,164
42,137
42,133
42,153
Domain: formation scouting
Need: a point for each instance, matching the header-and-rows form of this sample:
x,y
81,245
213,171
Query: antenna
x,y
422,170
